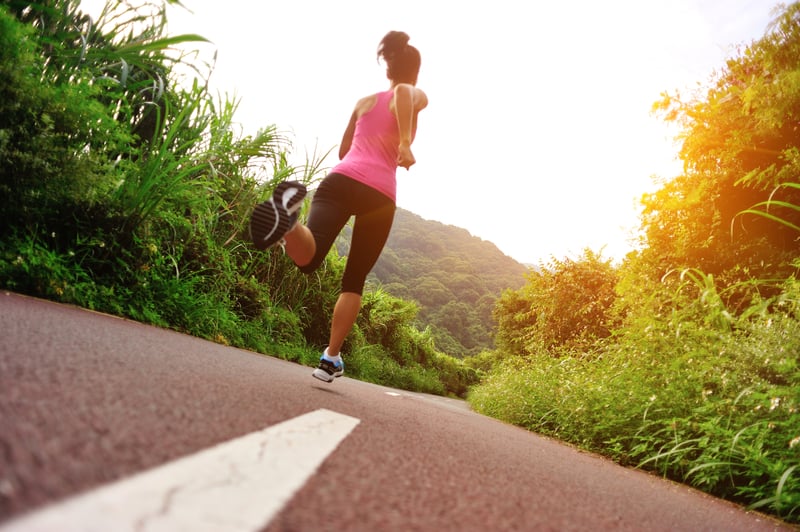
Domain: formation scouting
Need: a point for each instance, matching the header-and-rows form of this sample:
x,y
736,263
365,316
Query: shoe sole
x,y
322,375
289,194
271,220
268,224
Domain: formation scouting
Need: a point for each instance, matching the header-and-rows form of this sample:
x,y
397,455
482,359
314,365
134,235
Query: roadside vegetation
x,y
127,188
683,359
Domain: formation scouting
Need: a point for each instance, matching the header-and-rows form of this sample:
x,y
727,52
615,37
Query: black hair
x,y
402,59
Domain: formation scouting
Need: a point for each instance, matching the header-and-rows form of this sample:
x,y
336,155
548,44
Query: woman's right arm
x,y
362,106
347,138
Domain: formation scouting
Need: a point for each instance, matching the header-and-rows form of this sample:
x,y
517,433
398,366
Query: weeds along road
x,y
108,424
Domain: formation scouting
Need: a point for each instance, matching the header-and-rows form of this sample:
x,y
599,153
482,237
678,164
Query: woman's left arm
x,y
408,102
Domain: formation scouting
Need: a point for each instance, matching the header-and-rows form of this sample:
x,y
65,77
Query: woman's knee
x,y
353,283
312,266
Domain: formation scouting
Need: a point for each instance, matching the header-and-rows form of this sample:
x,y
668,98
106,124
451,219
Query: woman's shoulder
x,y
420,98
365,104
368,99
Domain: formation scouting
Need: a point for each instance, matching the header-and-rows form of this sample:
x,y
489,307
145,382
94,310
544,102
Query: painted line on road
x,y
239,485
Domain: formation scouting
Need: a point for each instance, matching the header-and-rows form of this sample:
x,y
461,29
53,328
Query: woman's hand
x,y
404,156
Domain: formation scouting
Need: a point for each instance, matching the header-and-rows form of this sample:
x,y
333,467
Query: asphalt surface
x,y
87,399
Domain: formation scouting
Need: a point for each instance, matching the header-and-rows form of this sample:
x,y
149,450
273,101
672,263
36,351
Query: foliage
x,y
740,141
765,209
132,190
454,277
43,137
704,398
698,379
565,304
387,347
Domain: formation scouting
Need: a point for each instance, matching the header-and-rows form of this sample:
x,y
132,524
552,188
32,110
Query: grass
x,y
703,398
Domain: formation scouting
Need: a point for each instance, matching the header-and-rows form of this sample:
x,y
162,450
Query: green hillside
x,y
454,277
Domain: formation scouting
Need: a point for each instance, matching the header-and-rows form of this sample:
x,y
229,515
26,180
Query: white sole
x,y
288,194
322,375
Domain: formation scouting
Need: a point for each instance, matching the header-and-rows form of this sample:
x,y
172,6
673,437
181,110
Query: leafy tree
x,y
430,292
45,130
566,304
740,142
456,317
446,342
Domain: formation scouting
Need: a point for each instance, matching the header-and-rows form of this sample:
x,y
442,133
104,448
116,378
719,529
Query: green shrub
x,y
705,397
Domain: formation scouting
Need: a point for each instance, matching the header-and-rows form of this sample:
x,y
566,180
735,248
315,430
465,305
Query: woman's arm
x,y
404,111
347,138
362,106
408,102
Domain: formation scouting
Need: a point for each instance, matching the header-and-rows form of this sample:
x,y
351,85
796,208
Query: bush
x,y
704,398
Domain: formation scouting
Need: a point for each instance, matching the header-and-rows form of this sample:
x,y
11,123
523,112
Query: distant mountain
x,y
453,276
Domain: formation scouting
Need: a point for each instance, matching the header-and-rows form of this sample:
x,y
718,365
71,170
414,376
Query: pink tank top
x,y
372,158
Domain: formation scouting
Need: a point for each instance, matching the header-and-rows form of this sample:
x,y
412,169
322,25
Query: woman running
x,y
363,184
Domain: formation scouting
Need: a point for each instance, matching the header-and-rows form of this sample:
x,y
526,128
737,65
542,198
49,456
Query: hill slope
x,y
453,276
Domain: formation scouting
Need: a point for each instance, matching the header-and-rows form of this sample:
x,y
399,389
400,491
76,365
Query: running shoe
x,y
328,370
274,218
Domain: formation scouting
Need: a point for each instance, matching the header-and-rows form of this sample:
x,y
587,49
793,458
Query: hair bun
x,y
392,43
402,59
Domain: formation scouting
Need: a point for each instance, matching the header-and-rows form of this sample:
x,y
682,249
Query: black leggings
x,y
337,199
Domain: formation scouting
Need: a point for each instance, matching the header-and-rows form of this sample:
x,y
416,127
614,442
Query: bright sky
x,y
538,136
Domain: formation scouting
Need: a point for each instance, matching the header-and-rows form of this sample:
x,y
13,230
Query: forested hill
x,y
453,276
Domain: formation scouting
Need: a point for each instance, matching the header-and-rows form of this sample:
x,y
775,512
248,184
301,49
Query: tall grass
x,y
150,187
132,190
705,397
765,209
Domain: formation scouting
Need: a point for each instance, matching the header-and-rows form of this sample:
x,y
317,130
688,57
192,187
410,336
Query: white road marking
x,y
238,485
393,394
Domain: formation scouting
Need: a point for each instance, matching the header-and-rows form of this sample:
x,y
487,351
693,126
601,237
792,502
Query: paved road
x,y
87,400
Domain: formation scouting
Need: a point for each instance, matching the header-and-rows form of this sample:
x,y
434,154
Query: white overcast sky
x,y
538,136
